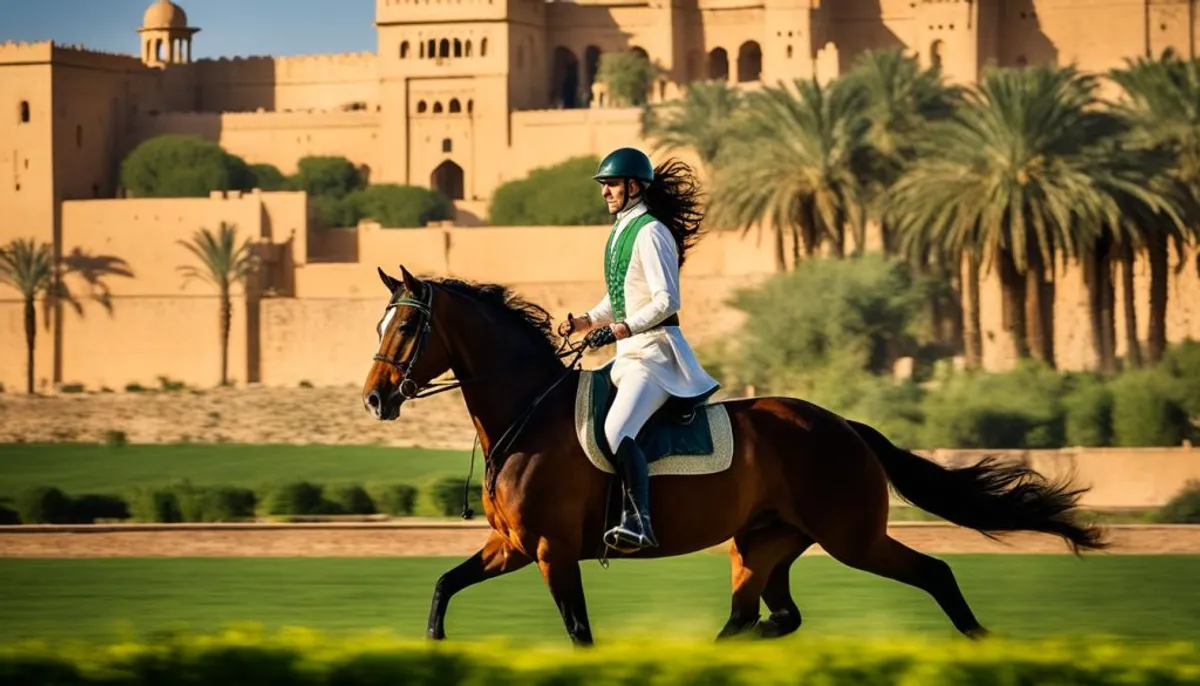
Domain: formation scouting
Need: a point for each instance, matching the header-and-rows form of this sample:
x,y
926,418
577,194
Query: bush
x,y
1184,508
448,496
44,505
268,177
213,503
298,498
312,659
154,504
398,500
87,508
399,207
349,499
183,166
1088,406
1018,409
327,176
561,195
8,516
1182,361
1147,409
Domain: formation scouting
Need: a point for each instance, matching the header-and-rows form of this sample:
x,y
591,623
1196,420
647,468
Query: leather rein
x,y
424,308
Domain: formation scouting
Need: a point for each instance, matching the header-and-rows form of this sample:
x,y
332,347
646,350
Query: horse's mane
x,y
524,315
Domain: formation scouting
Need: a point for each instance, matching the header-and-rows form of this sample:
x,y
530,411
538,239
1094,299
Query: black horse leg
x,y
566,587
497,557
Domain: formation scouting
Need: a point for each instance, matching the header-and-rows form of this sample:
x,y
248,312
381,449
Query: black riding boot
x,y
634,532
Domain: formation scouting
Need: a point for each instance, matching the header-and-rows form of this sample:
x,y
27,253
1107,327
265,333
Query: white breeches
x,y
638,397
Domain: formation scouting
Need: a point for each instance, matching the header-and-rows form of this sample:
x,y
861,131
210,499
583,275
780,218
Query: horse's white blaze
x,y
388,315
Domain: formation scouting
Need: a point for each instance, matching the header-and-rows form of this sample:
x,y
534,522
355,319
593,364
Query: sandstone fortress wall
x,y
461,96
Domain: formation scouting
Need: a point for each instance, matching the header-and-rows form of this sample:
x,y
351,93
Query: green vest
x,y
616,262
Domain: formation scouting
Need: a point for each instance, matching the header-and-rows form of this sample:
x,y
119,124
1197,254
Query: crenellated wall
x,y
310,82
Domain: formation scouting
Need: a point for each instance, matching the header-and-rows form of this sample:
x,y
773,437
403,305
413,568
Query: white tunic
x,y
652,295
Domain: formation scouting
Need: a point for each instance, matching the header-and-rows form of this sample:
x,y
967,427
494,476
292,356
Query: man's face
x,y
613,191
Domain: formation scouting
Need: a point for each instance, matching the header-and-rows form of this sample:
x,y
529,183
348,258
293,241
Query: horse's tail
x,y
989,496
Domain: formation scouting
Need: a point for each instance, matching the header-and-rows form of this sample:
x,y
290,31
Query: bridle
x,y
424,308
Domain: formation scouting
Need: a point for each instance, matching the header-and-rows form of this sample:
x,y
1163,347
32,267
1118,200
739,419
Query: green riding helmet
x,y
626,163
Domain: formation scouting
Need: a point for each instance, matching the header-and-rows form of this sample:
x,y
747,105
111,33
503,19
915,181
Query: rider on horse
x,y
657,221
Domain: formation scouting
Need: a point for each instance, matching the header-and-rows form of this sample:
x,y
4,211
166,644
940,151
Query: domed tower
x,y
166,36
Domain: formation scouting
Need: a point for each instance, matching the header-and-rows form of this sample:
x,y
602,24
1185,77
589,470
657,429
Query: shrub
x,y
268,177
298,498
154,504
398,500
1182,361
115,439
8,515
213,503
87,508
1147,409
448,496
1018,409
561,195
1088,406
43,505
397,206
1184,508
327,176
183,166
628,75
349,499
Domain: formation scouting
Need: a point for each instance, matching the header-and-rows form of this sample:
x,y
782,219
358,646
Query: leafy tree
x,y
701,121
561,195
1163,98
327,176
397,206
628,76
222,263
28,267
795,165
183,166
268,177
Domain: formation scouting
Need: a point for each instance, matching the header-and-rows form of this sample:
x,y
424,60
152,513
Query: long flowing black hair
x,y
673,198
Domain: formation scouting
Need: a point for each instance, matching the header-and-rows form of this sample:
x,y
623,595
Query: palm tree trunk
x,y
30,339
1133,354
1037,332
226,319
1156,343
1012,285
972,336
780,263
1097,275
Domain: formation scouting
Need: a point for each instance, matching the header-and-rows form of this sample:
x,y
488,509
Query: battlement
x,y
400,12
17,52
301,68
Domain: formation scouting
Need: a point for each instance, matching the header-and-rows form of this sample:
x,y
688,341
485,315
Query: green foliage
x,y
213,503
398,500
702,121
268,177
90,507
1088,404
1018,409
397,206
628,75
854,314
8,516
173,165
349,499
1148,409
307,658
154,504
561,195
43,505
327,176
447,494
1183,508
299,497
1182,361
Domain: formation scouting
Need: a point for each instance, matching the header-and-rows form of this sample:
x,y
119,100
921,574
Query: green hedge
x,y
300,657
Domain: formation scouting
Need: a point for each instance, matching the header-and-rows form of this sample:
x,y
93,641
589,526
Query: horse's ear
x,y
387,280
410,282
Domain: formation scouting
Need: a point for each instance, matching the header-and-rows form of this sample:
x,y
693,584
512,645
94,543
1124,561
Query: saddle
x,y
685,436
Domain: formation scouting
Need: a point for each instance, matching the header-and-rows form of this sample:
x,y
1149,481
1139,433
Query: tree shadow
x,y
1021,41
93,270
856,27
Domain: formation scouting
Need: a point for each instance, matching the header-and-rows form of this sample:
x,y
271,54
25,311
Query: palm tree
x,y
222,264
1164,100
1008,181
701,121
28,267
795,163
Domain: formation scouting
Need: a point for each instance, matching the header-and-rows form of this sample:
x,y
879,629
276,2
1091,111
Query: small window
x,y
421,107
24,111
437,108
404,50
455,106
447,145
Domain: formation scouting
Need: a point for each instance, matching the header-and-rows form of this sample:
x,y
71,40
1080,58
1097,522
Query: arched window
x,y
470,106
749,62
564,86
718,65
468,47
935,54
437,107
444,48
24,113
431,51
421,107
455,106
457,48
447,145
404,50
483,48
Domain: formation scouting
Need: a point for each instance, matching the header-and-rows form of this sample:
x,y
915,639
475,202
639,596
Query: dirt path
x,y
458,540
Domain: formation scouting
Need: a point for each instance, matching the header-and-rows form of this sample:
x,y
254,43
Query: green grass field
x,y
1153,597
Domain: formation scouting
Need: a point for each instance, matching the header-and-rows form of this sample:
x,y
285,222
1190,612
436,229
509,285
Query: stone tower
x,y
165,34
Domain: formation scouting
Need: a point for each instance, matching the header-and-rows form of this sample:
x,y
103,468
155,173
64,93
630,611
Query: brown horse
x,y
800,474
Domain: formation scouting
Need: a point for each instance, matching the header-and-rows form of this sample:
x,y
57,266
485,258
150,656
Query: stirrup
x,y
627,541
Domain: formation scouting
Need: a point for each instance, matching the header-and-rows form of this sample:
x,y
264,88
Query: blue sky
x,y
228,27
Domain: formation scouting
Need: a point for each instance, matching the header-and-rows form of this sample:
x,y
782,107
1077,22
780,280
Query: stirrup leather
x,y
634,532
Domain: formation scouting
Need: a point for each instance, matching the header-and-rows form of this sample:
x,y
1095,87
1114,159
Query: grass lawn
x,y
1152,597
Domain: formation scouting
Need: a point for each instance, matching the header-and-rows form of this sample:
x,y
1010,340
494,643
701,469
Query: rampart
x,y
302,83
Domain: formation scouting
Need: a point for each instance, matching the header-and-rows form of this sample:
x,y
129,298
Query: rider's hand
x,y
574,324
621,330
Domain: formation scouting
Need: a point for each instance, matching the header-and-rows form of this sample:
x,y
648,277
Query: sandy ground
x,y
463,539
332,415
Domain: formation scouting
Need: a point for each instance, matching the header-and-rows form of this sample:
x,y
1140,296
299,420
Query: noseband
x,y
405,367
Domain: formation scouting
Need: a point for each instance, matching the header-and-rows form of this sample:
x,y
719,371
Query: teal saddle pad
x,y
680,427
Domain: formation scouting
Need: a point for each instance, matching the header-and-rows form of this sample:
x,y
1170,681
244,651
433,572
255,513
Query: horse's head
x,y
406,361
